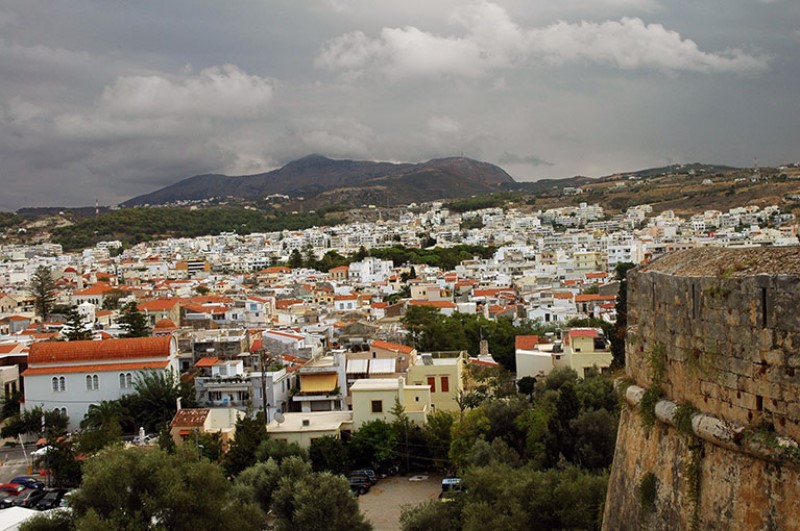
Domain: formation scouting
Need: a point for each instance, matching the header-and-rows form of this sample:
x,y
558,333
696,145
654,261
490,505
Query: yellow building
x,y
443,373
302,428
374,398
585,348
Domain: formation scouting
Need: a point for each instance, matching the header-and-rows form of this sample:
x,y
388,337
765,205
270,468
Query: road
x,y
12,462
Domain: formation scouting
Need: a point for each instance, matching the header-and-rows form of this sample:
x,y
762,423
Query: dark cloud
x,y
530,160
114,99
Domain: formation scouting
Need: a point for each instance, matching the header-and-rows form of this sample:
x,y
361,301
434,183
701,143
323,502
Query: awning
x,y
382,366
318,383
357,366
184,433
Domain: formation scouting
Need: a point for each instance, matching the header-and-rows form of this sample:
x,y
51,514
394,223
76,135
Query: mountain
x,y
329,180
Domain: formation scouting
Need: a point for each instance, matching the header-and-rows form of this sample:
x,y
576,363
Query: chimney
x,y
484,348
178,402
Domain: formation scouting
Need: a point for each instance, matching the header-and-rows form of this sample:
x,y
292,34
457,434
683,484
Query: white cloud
x,y
492,41
443,125
224,92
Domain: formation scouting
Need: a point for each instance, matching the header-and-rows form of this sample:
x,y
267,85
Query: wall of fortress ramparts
x,y
718,333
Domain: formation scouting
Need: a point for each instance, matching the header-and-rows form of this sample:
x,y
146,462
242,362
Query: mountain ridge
x,y
315,174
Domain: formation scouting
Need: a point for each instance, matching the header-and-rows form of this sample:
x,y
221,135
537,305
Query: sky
x,y
108,99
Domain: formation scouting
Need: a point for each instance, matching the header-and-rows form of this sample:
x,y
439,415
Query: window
x,y
432,383
445,384
377,406
61,410
125,380
59,384
92,382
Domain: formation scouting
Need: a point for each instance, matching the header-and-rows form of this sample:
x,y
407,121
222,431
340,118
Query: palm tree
x,y
155,401
103,415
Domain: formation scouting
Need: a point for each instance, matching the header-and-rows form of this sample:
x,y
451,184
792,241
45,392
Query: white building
x,y
71,376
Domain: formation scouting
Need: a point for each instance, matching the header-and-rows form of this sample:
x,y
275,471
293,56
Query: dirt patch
x,y
384,501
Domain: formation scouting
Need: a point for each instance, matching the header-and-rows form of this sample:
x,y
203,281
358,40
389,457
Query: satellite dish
x,y
279,418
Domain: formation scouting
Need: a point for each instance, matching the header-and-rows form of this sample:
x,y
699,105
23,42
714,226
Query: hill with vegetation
x,y
347,181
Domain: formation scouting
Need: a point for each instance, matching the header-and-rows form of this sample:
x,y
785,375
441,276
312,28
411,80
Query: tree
x,y
133,322
295,259
374,444
132,489
49,521
620,327
328,454
432,516
526,386
43,288
250,433
154,401
278,450
75,326
299,504
111,299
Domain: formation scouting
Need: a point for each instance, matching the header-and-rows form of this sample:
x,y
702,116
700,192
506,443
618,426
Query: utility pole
x,y
262,354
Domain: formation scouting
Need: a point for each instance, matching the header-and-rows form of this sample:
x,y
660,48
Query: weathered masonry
x,y
708,434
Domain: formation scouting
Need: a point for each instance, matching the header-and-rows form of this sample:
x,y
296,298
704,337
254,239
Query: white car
x,y
41,452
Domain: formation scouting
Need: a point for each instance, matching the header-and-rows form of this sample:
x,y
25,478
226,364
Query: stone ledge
x,y
732,436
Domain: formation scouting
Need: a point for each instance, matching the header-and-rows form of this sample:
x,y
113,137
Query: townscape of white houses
x,y
323,352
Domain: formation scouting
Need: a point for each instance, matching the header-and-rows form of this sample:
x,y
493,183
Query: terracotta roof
x,y
98,289
526,342
596,275
276,269
190,418
569,296
208,361
165,324
435,304
590,297
158,305
493,292
257,345
67,351
394,347
583,332
8,348
285,334
285,303
97,367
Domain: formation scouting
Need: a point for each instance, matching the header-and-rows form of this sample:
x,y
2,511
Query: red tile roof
x,y
435,304
526,342
190,418
208,361
96,367
583,332
98,289
128,348
393,347
589,297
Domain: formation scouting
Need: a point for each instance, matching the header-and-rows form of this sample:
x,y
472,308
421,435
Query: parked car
x,y
360,484
51,499
12,488
28,498
371,475
29,482
451,488
6,499
41,452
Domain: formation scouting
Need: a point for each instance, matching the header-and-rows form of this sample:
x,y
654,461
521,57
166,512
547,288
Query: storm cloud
x,y
109,100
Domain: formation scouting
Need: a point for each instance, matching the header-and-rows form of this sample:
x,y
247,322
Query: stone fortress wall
x,y
708,433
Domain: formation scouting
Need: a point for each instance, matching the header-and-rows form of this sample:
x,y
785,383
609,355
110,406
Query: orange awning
x,y
318,383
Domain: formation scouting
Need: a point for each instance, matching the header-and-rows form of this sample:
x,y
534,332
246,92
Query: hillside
x,y
356,181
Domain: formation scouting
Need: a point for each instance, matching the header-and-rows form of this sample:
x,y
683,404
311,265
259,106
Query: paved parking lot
x,y
384,501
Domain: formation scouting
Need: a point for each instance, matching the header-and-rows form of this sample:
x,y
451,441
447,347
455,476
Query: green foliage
x,y
496,200
648,405
444,257
278,450
111,299
431,332
373,445
61,462
437,434
251,432
694,473
42,288
134,225
504,497
154,402
76,328
619,333
133,322
683,418
648,493
30,421
328,454
297,504
595,433
10,405
526,386
432,516
656,359
131,489
49,521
